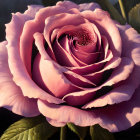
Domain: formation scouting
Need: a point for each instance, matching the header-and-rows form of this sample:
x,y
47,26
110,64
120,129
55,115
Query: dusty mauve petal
x,y
36,25
32,10
11,96
110,117
57,124
59,21
131,48
62,56
17,68
79,32
106,27
88,6
126,88
67,4
119,74
122,93
45,72
91,68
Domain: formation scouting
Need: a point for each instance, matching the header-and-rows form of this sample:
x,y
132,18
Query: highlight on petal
x,y
11,96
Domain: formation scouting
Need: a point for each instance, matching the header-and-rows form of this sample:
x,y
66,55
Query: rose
x,y
75,55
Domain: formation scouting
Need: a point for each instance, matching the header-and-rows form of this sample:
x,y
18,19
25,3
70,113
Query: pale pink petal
x,y
125,89
67,4
96,77
88,58
49,76
92,67
80,97
87,29
57,124
88,6
110,117
119,74
117,95
105,46
17,68
131,48
106,27
30,27
40,77
11,96
22,79
78,79
32,10
62,56
59,21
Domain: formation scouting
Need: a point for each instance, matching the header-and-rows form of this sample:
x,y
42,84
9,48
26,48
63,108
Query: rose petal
x,y
30,27
87,28
17,68
131,49
110,117
11,96
88,58
122,93
92,67
105,46
59,21
62,56
45,73
119,74
67,4
88,6
107,28
57,124
96,77
126,89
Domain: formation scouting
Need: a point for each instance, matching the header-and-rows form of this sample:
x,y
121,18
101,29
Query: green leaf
x,y
99,133
36,128
128,4
80,131
134,17
106,5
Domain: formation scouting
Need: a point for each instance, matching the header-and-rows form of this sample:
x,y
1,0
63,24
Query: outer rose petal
x,y
67,4
17,68
131,48
110,117
88,6
11,96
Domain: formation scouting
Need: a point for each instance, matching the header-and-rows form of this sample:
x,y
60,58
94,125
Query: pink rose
x,y
71,63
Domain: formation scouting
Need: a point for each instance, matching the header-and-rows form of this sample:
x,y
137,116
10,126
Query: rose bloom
x,y
71,63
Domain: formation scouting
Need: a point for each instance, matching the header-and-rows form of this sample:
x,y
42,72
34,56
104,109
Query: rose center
x,y
82,38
